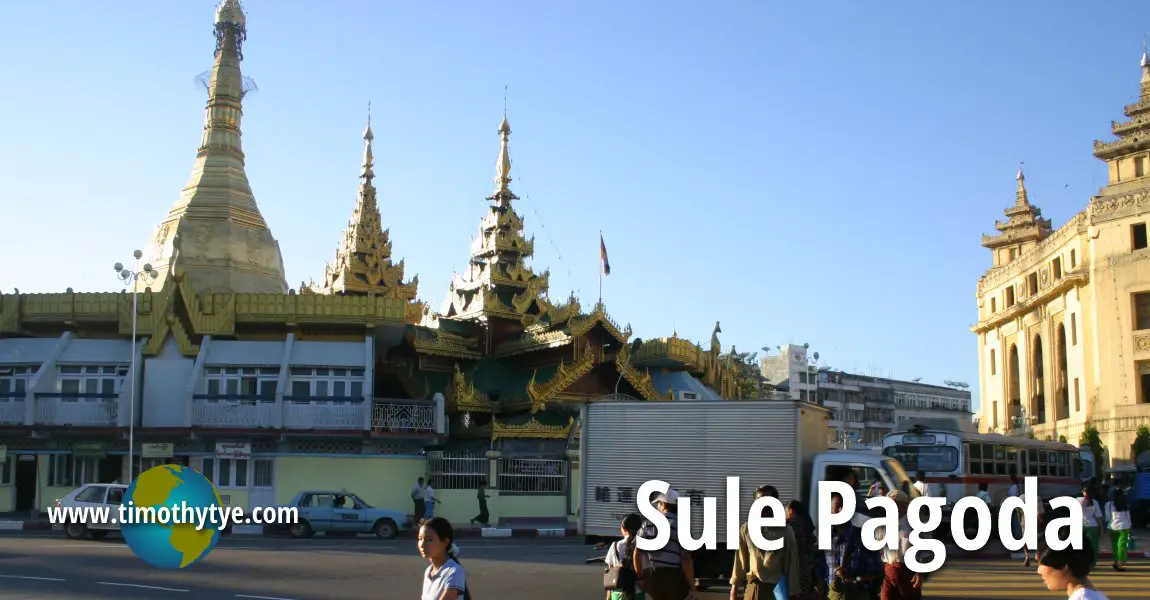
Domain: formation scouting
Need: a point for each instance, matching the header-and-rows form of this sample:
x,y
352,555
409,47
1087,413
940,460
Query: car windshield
x,y
359,501
900,478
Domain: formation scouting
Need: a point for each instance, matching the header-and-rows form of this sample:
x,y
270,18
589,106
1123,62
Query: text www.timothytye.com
x,y
215,517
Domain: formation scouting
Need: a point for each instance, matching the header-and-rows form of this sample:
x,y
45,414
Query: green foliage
x,y
1091,440
1048,438
1141,442
1063,439
749,380
1030,434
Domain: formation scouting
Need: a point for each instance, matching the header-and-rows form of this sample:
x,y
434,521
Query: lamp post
x,y
131,278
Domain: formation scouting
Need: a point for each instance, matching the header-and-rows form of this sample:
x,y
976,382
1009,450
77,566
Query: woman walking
x,y
444,579
484,516
1118,521
1091,515
621,556
1068,570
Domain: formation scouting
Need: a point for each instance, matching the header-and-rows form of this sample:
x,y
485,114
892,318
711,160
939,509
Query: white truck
x,y
695,445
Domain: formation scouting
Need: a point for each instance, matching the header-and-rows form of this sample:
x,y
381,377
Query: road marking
x,y
140,585
32,578
261,597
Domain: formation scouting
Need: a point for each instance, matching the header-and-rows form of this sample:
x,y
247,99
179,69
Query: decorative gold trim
x,y
531,341
1070,281
580,325
640,380
567,374
442,343
465,397
531,429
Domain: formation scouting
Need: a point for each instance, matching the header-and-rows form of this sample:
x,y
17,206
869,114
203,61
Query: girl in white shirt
x,y
622,552
1068,570
1091,515
1118,521
444,579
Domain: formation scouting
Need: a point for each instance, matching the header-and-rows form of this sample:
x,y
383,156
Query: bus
x,y
956,462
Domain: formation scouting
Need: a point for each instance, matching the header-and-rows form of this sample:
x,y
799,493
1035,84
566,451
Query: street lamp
x,y
131,278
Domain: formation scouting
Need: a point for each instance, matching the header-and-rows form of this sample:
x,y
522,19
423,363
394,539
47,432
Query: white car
x,y
94,496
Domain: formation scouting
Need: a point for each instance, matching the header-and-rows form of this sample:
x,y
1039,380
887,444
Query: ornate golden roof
x,y
531,429
215,230
363,261
1024,221
464,397
497,281
565,375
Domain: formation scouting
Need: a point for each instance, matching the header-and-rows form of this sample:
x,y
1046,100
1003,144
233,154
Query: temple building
x,y
1064,314
350,382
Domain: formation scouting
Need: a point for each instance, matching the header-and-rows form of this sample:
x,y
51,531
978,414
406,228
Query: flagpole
x,y
600,268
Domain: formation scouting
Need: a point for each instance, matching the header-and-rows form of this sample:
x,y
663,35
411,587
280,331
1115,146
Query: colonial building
x,y
350,382
1064,315
864,408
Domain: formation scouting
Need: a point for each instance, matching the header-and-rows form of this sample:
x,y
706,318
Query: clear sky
x,y
801,172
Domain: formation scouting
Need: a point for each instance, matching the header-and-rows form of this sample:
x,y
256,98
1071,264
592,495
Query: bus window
x,y
1012,459
1000,460
933,459
974,460
1032,463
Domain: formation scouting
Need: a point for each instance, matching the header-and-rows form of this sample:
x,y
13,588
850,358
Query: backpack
x,y
621,577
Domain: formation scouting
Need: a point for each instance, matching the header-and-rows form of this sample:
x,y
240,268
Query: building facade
x,y
864,408
349,382
1064,315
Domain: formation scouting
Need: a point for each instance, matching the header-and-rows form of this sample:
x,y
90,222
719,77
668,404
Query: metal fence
x,y
533,476
449,471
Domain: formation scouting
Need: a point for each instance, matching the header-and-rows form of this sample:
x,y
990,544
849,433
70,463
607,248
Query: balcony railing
x,y
12,409
403,416
77,409
324,413
238,411
299,412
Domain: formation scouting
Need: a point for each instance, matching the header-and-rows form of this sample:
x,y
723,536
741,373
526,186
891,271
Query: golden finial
x,y
503,164
1022,197
366,171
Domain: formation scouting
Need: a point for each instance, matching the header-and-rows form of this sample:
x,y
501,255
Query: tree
x,y
1030,434
1141,442
749,380
1063,439
1090,440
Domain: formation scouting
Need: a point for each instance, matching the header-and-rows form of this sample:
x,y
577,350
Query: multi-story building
x,y
864,408
1064,315
343,383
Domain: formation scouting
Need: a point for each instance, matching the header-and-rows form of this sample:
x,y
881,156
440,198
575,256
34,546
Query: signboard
x,y
3,453
89,449
235,450
157,450
918,439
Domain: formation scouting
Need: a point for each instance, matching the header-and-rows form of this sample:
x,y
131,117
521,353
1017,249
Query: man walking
x,y
417,500
762,571
673,574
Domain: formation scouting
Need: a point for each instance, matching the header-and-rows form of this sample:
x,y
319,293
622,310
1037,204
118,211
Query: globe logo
x,y
172,543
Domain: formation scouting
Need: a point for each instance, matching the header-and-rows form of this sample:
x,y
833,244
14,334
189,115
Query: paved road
x,y
49,567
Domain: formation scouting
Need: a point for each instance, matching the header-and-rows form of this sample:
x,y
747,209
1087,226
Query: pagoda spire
x,y
363,262
215,228
1023,228
1126,156
498,281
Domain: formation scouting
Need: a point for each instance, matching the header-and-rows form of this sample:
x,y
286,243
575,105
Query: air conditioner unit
x,y
682,396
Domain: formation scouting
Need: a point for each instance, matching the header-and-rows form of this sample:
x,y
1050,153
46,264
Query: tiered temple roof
x,y
1133,134
363,261
1024,221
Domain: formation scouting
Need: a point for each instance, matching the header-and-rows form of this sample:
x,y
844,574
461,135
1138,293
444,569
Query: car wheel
x,y
99,535
385,529
300,530
75,531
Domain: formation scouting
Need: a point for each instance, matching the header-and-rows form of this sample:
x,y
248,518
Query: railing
x,y
76,409
456,471
324,413
532,476
403,416
12,409
239,411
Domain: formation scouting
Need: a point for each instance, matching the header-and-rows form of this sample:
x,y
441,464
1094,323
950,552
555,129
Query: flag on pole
x,y
603,256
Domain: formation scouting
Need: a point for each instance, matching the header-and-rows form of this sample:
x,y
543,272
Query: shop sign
x,y
157,450
234,450
89,449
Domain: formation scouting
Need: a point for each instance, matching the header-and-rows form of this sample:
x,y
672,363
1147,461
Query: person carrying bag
x,y
621,579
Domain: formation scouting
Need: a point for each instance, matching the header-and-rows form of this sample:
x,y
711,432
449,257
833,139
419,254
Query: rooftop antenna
x,y
505,100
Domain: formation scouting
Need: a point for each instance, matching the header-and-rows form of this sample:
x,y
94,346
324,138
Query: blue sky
x,y
799,174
